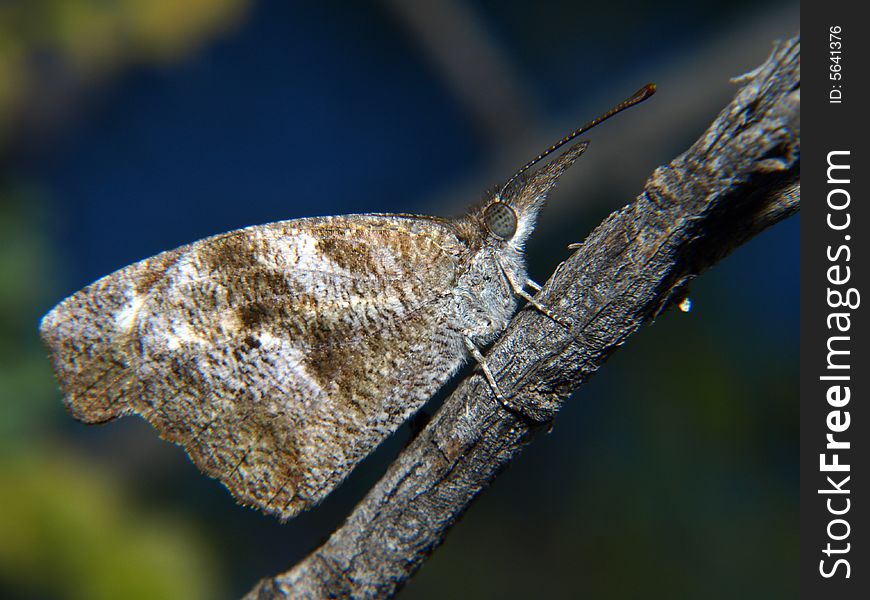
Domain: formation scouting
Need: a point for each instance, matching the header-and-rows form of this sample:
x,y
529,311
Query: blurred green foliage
x,y
24,281
67,529
86,40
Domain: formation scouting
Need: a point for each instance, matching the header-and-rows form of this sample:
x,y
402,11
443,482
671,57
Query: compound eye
x,y
501,220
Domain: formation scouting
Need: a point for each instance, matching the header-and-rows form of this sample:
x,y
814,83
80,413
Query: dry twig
x,y
740,177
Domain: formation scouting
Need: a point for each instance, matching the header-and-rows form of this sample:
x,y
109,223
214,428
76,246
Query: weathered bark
x,y
740,177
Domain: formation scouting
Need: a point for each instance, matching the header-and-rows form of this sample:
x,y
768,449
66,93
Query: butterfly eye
x,y
501,220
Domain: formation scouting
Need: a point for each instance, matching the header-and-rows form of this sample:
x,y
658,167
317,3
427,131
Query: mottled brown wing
x,y
278,356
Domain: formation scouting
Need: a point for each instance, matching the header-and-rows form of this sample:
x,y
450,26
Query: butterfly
x,y
280,355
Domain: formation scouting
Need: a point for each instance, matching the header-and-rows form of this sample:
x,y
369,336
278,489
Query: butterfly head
x,y
509,215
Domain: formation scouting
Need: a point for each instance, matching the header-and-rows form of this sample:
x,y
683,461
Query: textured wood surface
x,y
740,177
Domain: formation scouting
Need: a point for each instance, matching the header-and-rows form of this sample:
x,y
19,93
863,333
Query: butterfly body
x,y
280,355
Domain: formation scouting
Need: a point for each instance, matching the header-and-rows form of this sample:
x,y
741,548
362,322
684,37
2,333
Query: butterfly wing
x,y
278,356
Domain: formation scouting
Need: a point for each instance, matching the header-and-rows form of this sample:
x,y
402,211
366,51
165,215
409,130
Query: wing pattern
x,y
278,356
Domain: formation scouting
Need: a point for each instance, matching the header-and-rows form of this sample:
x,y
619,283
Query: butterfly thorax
x,y
483,298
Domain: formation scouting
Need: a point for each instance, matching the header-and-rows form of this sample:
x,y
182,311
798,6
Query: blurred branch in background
x,y
691,90
739,178
52,52
471,65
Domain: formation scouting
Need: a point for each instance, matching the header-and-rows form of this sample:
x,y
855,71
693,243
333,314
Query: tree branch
x,y
740,177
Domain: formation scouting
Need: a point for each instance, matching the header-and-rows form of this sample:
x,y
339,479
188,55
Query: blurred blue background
x,y
134,126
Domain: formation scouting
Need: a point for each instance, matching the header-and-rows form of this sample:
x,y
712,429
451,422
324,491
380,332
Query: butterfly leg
x,y
472,349
521,292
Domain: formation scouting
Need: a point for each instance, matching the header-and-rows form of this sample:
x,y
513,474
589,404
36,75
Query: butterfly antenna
x,y
636,98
